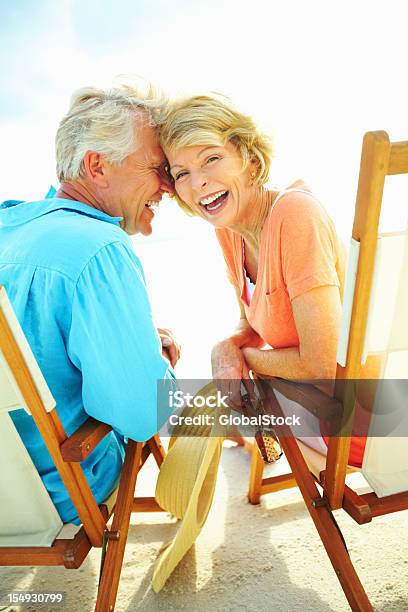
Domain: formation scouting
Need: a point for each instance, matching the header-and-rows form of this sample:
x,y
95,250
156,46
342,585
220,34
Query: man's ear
x,y
95,168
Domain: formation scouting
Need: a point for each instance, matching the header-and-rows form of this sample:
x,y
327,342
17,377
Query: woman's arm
x,y
317,317
227,358
243,335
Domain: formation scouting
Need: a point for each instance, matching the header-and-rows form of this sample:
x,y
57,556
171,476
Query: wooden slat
x,y
278,483
76,550
309,396
67,552
398,162
374,163
146,452
356,506
255,477
157,449
32,555
120,525
386,505
83,441
373,168
146,504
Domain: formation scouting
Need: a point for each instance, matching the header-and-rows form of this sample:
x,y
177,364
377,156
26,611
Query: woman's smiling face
x,y
212,182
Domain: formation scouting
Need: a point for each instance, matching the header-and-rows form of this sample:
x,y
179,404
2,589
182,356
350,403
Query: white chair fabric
x,y
27,515
349,285
41,385
385,463
387,325
10,396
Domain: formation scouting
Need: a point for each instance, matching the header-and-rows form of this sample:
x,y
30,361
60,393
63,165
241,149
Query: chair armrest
x,y
83,441
310,397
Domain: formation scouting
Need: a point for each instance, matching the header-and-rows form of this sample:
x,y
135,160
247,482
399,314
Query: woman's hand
x,y
228,369
171,348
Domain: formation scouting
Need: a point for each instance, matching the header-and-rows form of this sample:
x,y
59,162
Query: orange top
x,y
299,250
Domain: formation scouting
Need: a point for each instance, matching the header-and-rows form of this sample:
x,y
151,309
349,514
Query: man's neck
x,y
75,190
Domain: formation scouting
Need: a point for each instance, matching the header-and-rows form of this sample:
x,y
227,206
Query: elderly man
x,y
79,290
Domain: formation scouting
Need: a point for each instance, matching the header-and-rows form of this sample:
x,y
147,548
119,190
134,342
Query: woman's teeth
x,y
214,201
209,207
206,201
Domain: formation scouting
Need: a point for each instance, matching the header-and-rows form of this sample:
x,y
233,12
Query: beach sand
x,y
247,558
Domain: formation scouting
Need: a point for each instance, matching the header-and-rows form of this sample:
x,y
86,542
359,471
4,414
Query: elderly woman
x,y
282,252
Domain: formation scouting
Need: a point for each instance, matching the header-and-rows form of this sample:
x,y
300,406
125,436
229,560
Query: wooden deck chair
x,y
31,531
374,345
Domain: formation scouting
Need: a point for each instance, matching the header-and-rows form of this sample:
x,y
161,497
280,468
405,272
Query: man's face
x,y
138,183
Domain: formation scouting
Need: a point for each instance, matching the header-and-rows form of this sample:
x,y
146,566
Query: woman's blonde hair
x,y
212,120
101,120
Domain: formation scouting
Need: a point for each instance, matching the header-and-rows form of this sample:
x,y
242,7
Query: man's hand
x,y
171,348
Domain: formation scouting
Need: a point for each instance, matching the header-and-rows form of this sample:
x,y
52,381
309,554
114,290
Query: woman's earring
x,y
253,175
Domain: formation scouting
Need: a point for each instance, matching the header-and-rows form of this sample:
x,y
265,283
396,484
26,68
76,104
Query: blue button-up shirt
x,y
79,293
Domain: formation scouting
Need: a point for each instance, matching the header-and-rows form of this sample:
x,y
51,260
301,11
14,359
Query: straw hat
x,y
186,485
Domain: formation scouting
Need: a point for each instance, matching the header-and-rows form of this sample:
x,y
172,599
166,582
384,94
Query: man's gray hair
x,y
101,120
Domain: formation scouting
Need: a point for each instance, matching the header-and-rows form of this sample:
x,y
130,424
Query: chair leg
x,y
156,448
334,544
327,528
255,478
117,535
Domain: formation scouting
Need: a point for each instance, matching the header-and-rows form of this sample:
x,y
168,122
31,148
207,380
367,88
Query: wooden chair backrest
x,y
379,158
31,388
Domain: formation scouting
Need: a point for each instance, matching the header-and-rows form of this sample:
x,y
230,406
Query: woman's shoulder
x,y
295,203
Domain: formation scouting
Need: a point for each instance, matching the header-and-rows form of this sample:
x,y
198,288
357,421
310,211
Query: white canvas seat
x,y
27,515
385,462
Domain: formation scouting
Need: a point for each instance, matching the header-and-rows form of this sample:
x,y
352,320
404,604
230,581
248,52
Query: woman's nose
x,y
198,181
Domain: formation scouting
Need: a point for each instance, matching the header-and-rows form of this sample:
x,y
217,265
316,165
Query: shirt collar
x,y
17,212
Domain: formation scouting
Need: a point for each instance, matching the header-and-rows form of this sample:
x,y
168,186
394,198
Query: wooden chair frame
x,y
379,158
67,453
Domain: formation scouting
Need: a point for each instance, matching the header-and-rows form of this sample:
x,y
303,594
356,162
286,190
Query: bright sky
x,y
317,74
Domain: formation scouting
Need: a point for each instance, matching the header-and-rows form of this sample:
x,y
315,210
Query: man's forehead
x,y
147,141
152,154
